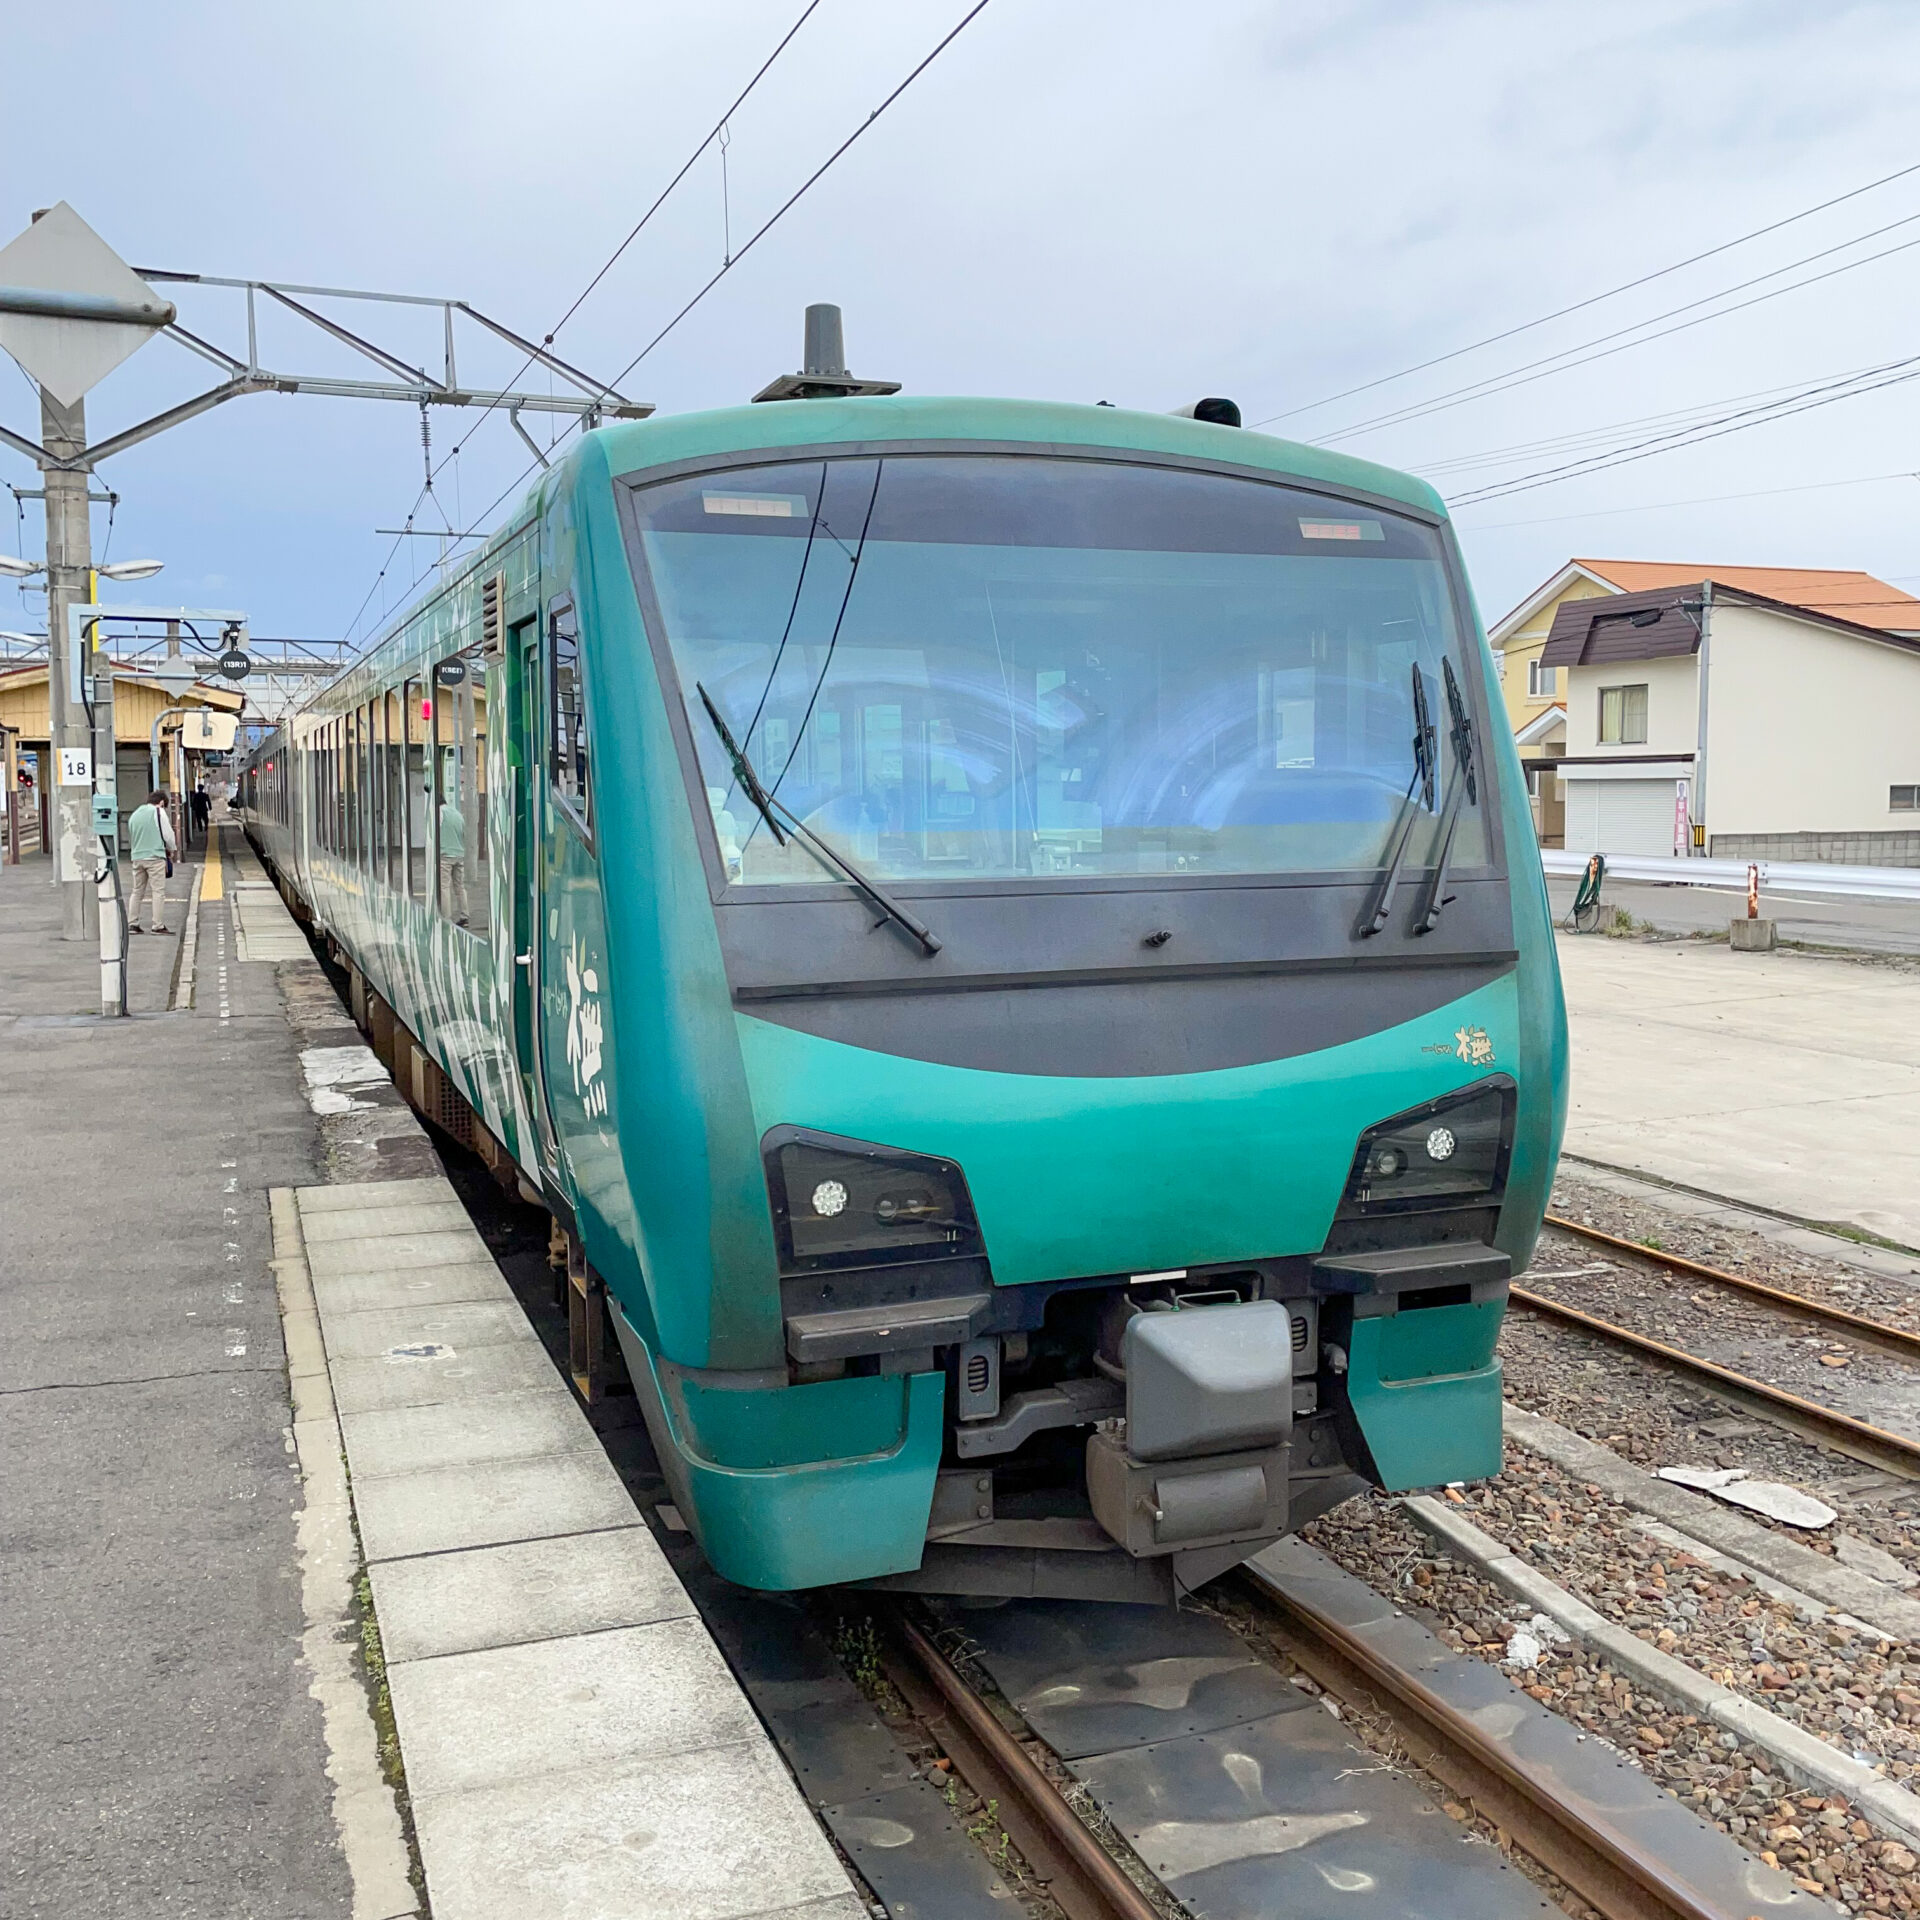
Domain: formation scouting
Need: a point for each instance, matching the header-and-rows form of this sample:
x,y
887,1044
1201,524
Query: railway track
x,y
1858,1439
1897,1341
1574,1840
1085,1879
1578,1840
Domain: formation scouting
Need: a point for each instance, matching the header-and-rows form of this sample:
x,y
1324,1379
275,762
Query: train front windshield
x,y
989,667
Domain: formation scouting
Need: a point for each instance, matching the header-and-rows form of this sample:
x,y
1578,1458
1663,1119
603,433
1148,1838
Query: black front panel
x,y
1067,982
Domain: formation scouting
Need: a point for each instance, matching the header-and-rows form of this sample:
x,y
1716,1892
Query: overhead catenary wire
x,y
1591,300
580,299
773,220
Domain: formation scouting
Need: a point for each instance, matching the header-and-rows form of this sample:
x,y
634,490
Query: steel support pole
x,y
63,431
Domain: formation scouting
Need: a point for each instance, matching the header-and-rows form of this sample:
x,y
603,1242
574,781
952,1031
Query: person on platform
x,y
202,808
150,845
453,861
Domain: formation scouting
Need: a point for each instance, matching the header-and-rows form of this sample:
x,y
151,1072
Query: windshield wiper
x,y
772,810
1381,911
1460,732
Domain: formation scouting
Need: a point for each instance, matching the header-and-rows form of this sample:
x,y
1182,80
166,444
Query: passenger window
x,y
567,713
460,788
369,783
419,846
394,799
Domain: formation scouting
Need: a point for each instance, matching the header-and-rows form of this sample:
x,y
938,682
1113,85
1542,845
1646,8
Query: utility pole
x,y
1701,843
69,564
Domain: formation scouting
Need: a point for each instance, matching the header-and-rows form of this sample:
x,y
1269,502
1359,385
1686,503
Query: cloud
x,y
1082,200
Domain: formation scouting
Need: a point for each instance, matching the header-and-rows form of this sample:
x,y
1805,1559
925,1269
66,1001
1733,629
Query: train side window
x,y
356,813
460,788
567,714
370,778
394,789
329,740
419,823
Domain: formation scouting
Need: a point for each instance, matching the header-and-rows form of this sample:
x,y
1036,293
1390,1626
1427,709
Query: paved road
x,y
1788,1080
162,1754
1820,920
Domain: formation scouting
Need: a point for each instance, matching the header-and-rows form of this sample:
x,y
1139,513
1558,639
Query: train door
x,y
530,801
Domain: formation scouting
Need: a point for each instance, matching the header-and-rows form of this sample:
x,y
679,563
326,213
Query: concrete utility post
x,y
69,561
1702,844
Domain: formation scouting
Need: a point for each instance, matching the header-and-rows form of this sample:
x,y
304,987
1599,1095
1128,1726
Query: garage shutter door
x,y
1620,816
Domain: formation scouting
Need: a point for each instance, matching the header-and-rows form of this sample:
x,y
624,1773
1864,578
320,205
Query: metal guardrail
x,y
1776,876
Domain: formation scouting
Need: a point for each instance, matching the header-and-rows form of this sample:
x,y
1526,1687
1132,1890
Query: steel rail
x,y
1895,1339
1577,1843
1081,1875
1841,1431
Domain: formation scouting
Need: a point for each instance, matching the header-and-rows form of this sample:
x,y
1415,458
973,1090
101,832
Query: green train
x,y
1009,938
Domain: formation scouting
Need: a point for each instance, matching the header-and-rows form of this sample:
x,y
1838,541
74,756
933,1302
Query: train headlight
x,y
1450,1150
843,1203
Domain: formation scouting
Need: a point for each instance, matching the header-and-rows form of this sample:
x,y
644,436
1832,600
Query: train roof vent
x,y
823,374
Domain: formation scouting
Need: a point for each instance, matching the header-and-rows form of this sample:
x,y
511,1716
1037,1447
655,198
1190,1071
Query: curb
x,y
1802,1756
363,1806
180,1000
1893,1615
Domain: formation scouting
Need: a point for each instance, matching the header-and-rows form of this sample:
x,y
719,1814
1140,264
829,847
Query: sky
x,y
1078,200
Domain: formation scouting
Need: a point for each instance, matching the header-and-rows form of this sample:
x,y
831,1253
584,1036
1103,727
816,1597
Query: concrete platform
x,y
164,1687
575,1745
1785,1080
233,1269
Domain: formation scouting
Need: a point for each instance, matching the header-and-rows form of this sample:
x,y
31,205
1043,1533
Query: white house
x,y
1760,728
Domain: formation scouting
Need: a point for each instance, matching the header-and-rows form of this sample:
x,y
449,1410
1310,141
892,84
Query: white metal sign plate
x,y
60,253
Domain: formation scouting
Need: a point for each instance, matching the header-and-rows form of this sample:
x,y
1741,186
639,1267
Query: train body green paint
x,y
1146,1067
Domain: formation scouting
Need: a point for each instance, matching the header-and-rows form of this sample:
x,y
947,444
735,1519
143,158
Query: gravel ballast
x,y
1819,1838
1855,1688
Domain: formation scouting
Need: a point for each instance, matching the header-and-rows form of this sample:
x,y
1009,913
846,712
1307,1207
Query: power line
x,y
1541,369
1560,313
1589,436
1897,372
1697,500
766,227
1621,432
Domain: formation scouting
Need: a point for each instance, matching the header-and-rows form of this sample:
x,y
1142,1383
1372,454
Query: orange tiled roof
x,y
1844,592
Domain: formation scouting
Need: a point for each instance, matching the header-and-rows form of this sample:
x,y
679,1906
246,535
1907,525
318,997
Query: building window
x,y
1903,799
1623,716
1543,683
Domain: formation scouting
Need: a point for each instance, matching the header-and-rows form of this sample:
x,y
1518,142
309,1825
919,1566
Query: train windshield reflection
x,y
995,666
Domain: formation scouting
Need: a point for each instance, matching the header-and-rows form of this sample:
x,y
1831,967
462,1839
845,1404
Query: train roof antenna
x,y
823,371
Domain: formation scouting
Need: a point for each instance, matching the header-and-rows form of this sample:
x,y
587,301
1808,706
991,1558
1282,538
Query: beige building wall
x,y
1806,728
1673,722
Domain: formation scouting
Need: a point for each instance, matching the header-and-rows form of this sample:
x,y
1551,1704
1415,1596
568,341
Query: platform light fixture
x,y
13,567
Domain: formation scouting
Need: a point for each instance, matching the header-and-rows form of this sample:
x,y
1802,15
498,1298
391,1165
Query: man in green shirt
x,y
149,844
